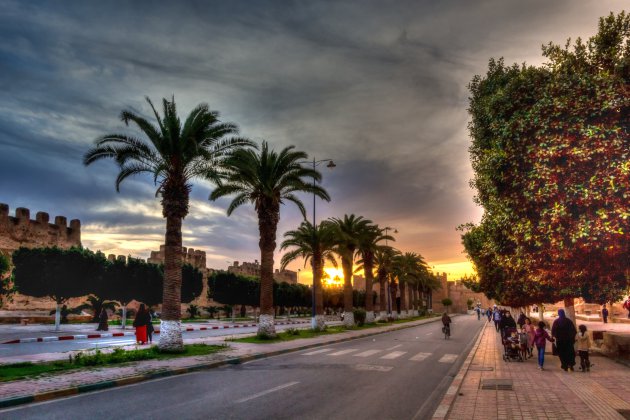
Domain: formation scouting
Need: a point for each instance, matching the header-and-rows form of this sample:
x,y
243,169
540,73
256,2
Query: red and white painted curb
x,y
129,333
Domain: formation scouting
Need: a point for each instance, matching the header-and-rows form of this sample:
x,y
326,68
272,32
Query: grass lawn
x,y
97,358
295,334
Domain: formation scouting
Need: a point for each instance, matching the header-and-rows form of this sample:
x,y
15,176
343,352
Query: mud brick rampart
x,y
22,231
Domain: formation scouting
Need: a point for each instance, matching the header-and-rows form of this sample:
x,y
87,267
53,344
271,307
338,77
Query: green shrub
x,y
292,331
422,311
359,317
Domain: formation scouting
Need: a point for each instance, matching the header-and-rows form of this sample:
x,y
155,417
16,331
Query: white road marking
x,y
395,347
376,368
448,358
367,353
420,357
429,333
119,342
342,352
310,353
269,391
393,355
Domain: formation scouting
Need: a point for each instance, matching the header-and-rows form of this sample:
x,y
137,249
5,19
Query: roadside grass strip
x,y
82,360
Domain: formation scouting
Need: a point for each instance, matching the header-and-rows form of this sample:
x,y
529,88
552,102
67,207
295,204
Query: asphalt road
x,y
21,349
397,375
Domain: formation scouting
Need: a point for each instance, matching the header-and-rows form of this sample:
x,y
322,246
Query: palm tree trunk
x,y
319,322
403,299
369,281
268,217
170,326
382,295
348,316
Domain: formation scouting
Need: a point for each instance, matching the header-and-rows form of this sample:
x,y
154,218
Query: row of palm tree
x,y
354,239
203,147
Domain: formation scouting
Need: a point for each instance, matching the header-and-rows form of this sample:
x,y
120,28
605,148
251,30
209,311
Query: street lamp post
x,y
330,165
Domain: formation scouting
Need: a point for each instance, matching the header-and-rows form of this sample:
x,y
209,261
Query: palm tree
x,y
368,244
383,259
314,244
173,154
347,231
267,179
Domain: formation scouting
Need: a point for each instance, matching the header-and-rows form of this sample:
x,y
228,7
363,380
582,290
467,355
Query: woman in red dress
x,y
142,320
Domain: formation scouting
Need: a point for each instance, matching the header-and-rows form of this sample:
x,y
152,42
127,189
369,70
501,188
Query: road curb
x,y
441,412
130,333
65,392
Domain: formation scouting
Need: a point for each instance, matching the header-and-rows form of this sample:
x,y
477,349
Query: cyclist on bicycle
x,y
446,321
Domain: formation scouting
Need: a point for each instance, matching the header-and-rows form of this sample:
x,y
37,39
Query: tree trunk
x,y
170,326
123,321
58,316
369,281
268,217
569,308
318,323
403,299
348,316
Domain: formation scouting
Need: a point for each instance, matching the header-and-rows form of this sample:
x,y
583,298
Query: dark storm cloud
x,y
378,86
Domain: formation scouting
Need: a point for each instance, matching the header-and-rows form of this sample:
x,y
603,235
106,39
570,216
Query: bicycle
x,y
446,329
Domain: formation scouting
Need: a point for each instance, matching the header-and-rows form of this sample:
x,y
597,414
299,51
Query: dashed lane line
x,y
269,391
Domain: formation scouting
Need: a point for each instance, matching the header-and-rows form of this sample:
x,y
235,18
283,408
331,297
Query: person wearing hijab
x,y
102,321
506,322
564,332
142,319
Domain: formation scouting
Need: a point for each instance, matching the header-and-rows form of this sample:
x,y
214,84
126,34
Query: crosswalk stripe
x,y
448,358
420,357
395,347
367,353
310,353
393,355
342,352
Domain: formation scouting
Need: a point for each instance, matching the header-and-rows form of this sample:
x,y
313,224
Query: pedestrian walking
x,y
583,344
506,322
564,332
102,321
140,323
530,330
496,316
478,310
489,314
605,314
541,336
150,328
521,320
626,306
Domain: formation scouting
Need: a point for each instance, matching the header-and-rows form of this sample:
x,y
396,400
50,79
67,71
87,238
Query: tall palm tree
x,y
368,246
267,179
347,231
173,154
383,259
314,244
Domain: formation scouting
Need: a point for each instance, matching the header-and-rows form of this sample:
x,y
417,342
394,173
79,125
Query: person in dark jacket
x,y
564,331
521,320
506,322
605,314
102,321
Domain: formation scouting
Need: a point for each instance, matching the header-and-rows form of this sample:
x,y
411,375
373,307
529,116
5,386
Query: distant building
x,y
253,269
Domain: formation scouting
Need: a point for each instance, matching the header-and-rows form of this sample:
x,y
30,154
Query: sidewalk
x,y
70,383
493,389
15,333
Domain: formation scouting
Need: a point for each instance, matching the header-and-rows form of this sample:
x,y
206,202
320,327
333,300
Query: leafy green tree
x,y
57,273
550,155
233,289
347,233
267,179
95,304
314,244
173,154
384,260
447,302
6,288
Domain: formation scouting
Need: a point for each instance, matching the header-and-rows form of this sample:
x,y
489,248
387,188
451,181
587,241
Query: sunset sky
x,y
379,87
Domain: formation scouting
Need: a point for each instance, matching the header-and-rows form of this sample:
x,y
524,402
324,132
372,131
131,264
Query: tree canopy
x,y
551,156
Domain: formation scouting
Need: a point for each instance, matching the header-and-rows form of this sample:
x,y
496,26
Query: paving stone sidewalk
x,y
56,385
602,393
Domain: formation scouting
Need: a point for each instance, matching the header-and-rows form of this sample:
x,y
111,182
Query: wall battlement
x,y
21,230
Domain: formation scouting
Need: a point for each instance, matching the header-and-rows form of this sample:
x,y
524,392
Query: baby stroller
x,y
511,345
